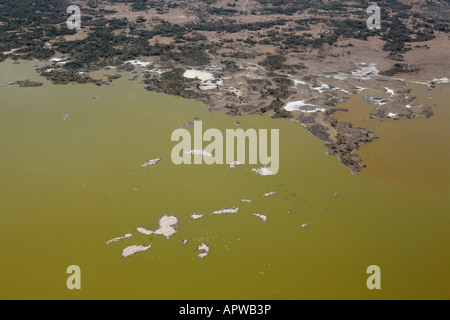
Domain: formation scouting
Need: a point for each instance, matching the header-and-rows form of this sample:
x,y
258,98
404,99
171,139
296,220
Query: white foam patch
x,y
261,216
263,172
271,193
119,238
166,227
151,162
128,251
204,250
226,211
234,164
305,224
196,216
144,231
196,152
166,224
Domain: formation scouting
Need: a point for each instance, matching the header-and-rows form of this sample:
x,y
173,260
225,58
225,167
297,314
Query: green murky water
x,y
68,186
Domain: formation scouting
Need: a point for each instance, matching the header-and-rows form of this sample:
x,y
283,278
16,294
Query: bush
x,y
273,62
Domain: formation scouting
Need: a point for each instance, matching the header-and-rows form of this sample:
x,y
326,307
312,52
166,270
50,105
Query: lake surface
x,y
70,180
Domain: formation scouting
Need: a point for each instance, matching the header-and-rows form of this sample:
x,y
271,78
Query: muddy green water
x,y
68,186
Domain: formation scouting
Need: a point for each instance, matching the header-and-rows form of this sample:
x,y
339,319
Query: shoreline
x,y
319,99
